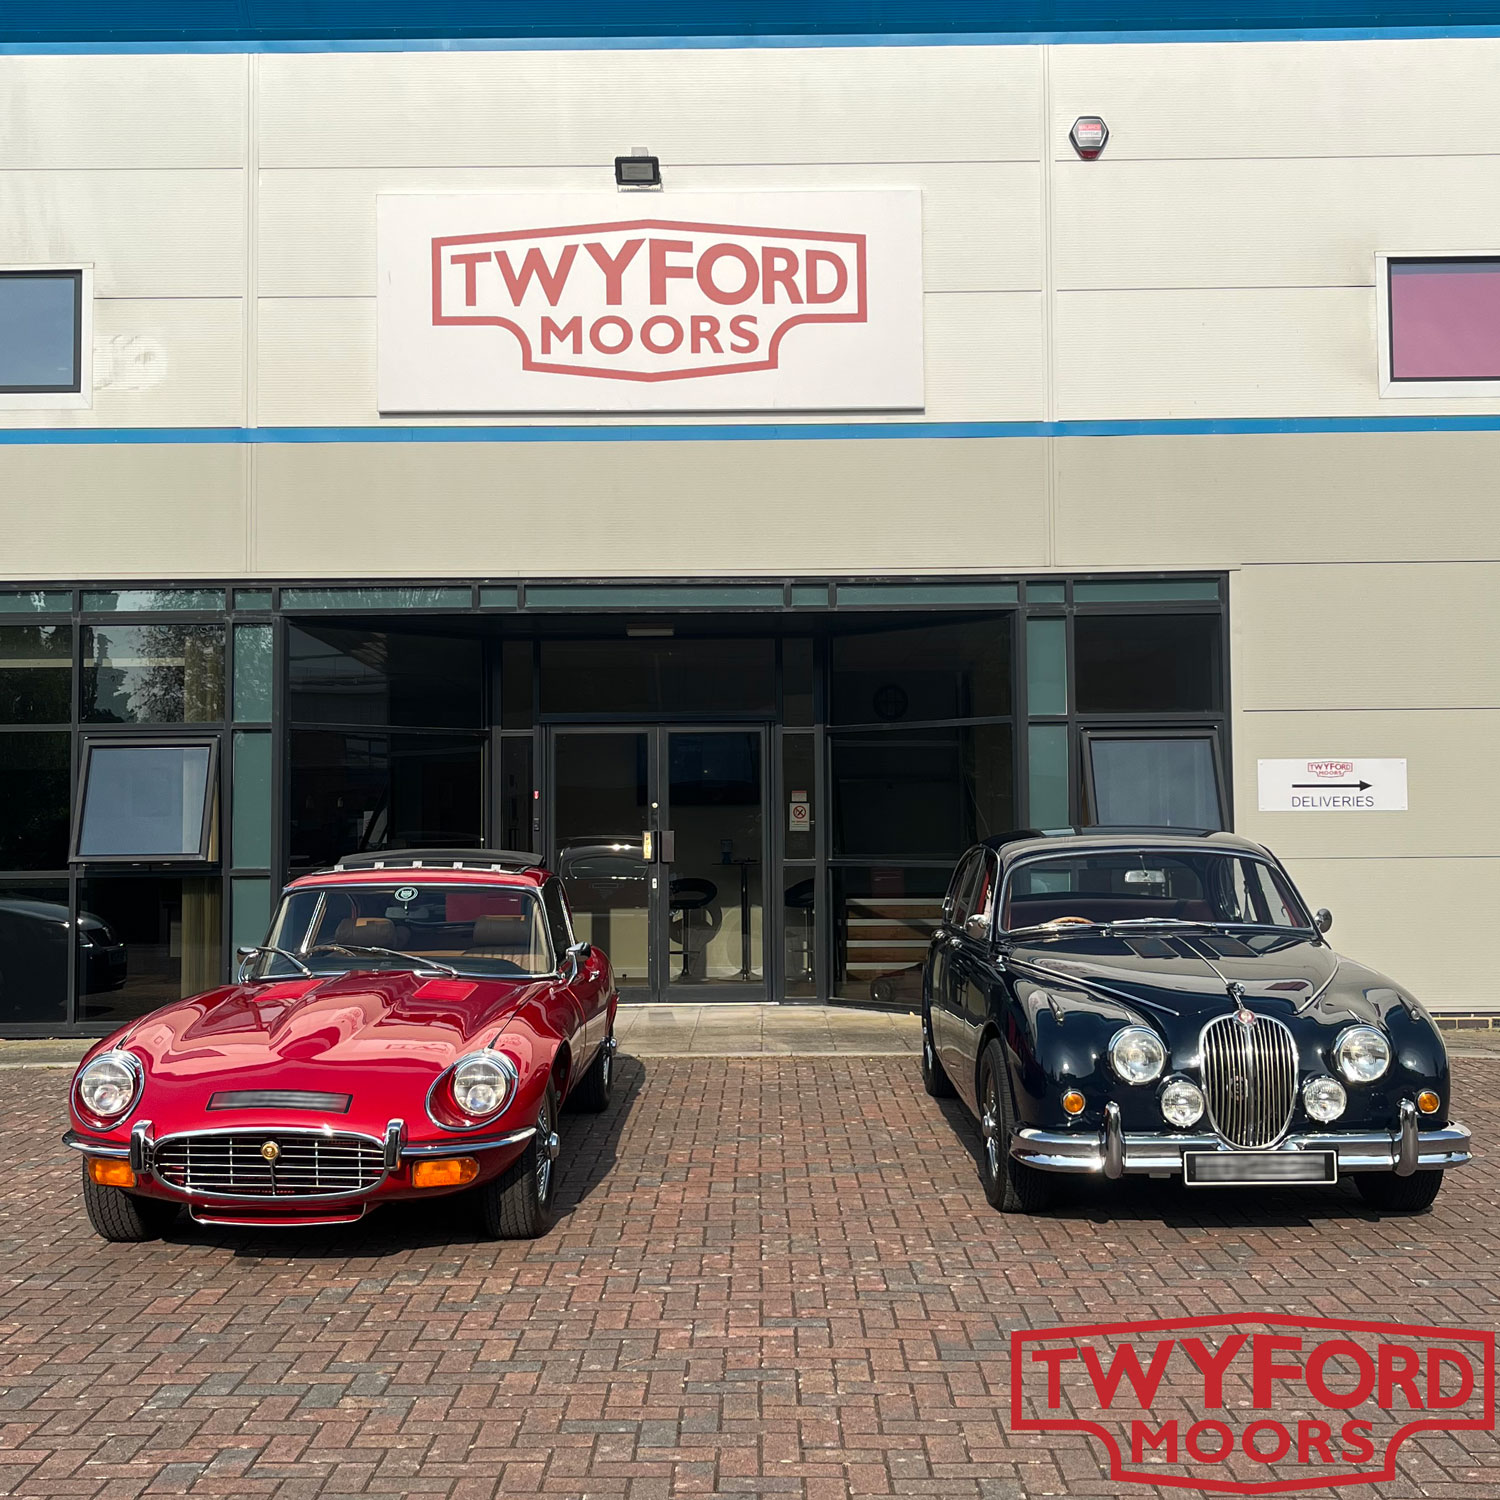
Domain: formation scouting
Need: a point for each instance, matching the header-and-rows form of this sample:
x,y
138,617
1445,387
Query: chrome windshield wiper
x,y
1158,922
413,959
290,957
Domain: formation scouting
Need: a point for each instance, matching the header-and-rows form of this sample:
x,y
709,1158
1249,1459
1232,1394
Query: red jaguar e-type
x,y
412,1027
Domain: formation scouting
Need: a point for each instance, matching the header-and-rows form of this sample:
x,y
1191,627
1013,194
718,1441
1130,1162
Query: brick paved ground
x,y
771,1277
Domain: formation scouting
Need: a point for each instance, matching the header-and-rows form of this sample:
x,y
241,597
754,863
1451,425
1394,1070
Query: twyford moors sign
x,y
597,302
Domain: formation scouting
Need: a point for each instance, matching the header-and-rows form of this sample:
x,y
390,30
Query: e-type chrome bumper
x,y
1114,1153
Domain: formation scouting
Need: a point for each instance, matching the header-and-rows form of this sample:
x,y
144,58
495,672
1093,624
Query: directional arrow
x,y
1332,786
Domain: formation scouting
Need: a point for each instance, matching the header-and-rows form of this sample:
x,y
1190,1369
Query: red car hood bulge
x,y
380,1037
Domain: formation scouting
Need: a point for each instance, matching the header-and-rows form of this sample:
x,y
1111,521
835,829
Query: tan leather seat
x,y
367,932
516,938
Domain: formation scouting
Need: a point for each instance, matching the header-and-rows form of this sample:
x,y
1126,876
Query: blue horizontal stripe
x,y
20,42
742,432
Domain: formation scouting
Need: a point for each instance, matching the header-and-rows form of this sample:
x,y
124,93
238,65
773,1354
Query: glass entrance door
x,y
659,837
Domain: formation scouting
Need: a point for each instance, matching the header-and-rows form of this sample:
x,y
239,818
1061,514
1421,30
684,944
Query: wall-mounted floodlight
x,y
1089,136
638,171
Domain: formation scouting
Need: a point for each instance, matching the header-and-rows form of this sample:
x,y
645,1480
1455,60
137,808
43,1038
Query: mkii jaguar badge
x,y
1253,1403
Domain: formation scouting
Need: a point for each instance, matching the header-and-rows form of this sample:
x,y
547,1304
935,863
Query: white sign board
x,y
1332,785
596,302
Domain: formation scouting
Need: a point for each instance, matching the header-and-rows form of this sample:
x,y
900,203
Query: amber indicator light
x,y
1428,1102
110,1173
1073,1102
450,1171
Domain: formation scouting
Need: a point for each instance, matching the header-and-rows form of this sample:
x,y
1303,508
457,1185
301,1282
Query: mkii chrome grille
x,y
1249,1078
269,1164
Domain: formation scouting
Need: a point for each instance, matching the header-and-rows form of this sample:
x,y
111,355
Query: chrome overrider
x,y
1112,1152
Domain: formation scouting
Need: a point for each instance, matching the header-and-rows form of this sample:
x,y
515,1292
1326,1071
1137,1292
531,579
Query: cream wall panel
x,y
1373,636
981,222
148,234
158,363
1230,352
690,105
1450,812
676,508
317,362
122,511
1192,502
1300,222
126,110
1415,920
1410,97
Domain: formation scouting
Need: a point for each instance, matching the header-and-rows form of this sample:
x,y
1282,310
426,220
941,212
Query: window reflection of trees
x,y
154,674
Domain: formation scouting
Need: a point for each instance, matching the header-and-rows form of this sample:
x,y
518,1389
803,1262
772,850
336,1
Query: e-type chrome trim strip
x,y
111,1149
466,1148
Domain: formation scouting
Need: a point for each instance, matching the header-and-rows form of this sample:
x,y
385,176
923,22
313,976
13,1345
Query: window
x,y
1147,664
34,933
42,344
1152,781
146,800
35,777
1443,318
153,674
923,673
36,674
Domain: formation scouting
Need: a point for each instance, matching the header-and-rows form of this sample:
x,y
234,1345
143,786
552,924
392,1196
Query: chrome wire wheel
x,y
544,1155
989,1126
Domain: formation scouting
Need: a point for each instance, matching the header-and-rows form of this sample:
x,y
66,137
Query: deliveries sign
x,y
1256,1403
676,302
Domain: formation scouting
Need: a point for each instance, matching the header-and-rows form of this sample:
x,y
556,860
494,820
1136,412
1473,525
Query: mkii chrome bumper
x,y
1112,1152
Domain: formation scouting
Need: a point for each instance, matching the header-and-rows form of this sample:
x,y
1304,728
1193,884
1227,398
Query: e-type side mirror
x,y
577,956
1323,919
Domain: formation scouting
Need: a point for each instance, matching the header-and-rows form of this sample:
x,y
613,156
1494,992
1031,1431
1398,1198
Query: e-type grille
x,y
1249,1079
303,1164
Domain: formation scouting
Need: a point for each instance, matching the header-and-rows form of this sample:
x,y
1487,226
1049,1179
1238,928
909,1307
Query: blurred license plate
x,y
1240,1169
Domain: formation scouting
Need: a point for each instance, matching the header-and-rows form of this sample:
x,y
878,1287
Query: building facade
x,y
1075,489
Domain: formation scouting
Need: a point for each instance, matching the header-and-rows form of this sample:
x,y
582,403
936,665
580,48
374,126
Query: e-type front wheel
x,y
1010,1185
1398,1195
124,1217
517,1205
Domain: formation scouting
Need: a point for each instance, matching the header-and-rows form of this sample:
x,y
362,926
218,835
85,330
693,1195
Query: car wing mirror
x,y
576,957
245,952
1323,919
977,927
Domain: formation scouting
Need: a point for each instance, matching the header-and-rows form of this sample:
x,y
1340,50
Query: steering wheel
x,y
1070,921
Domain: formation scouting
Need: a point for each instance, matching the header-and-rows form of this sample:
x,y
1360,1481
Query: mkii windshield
x,y
476,929
1132,884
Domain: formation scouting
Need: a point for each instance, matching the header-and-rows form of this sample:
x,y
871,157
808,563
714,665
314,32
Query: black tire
x,y
593,1090
1011,1186
1398,1195
934,1079
124,1217
517,1205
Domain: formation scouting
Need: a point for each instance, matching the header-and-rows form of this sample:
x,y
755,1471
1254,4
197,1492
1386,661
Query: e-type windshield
x,y
1148,888
489,931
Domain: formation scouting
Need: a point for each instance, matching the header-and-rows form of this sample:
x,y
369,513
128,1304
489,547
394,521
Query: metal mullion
x,y
71,1017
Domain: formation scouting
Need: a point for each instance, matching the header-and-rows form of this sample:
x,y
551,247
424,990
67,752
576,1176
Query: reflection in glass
x,y
352,791
153,674
383,677
884,917
39,330
716,902
250,837
1139,782
250,910
1046,667
145,600
659,676
799,926
36,674
601,793
252,673
516,813
1047,773
34,801
163,937
920,793
145,801
34,934
918,673
796,681
1132,664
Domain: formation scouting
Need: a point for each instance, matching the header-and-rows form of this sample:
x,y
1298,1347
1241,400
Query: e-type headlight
x,y
1182,1103
1137,1055
1324,1099
108,1086
482,1084
1362,1054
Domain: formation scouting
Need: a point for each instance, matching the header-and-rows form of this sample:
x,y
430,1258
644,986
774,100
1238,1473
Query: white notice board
x,y
1333,785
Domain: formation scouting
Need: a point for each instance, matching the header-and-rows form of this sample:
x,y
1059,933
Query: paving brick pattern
x,y
770,1277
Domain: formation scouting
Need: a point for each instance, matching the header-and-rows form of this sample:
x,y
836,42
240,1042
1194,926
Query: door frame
x,y
658,734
